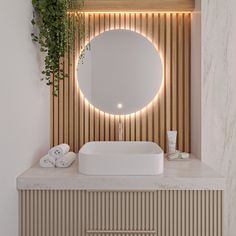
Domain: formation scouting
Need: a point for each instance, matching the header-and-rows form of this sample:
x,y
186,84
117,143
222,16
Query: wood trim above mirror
x,y
139,5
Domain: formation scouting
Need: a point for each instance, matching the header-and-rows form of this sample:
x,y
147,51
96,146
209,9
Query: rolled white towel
x,y
45,162
58,151
66,160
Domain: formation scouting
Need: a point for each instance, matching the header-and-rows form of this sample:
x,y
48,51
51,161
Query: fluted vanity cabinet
x,y
81,212
187,200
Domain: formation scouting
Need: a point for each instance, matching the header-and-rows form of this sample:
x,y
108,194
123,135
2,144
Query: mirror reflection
x,y
121,73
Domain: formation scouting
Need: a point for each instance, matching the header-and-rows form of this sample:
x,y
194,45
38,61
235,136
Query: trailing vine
x,y
54,32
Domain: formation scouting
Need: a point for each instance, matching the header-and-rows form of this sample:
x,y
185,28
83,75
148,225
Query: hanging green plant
x,y
55,32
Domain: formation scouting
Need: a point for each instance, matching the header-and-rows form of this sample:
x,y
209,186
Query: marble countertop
x,y
189,174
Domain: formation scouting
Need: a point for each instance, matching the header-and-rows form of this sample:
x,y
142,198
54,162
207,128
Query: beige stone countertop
x,y
189,174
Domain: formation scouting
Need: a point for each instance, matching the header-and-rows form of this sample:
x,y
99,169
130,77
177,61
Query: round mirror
x,y
121,72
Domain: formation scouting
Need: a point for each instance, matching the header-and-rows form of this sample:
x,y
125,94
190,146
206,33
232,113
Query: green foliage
x,y
56,32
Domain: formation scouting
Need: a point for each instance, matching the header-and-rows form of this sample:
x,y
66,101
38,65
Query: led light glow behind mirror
x,y
121,73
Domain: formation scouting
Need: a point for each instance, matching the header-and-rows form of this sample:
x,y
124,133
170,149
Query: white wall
x,y
24,104
219,96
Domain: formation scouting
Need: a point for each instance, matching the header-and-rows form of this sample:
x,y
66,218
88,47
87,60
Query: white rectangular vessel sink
x,y
121,158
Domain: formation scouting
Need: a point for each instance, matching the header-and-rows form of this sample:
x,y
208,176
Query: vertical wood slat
x,y
75,122
91,108
174,69
187,72
168,64
61,107
77,98
66,100
71,90
180,81
55,120
52,133
162,115
161,212
156,101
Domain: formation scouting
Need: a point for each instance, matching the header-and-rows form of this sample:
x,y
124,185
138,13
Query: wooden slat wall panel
x,y
121,213
76,122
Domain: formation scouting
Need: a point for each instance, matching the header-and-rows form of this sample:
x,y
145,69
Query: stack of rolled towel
x,y
58,156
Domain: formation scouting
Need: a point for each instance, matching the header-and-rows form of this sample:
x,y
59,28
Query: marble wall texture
x,y
219,96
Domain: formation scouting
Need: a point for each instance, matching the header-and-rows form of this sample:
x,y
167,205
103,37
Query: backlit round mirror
x,y
121,73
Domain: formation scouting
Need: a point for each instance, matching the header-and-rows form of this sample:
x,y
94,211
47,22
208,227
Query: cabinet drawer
x,y
121,212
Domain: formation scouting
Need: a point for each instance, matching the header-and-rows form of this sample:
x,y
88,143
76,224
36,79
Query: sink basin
x,y
121,158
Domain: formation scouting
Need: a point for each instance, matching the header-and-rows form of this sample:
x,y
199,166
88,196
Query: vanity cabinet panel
x,y
189,213
52,212
121,213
